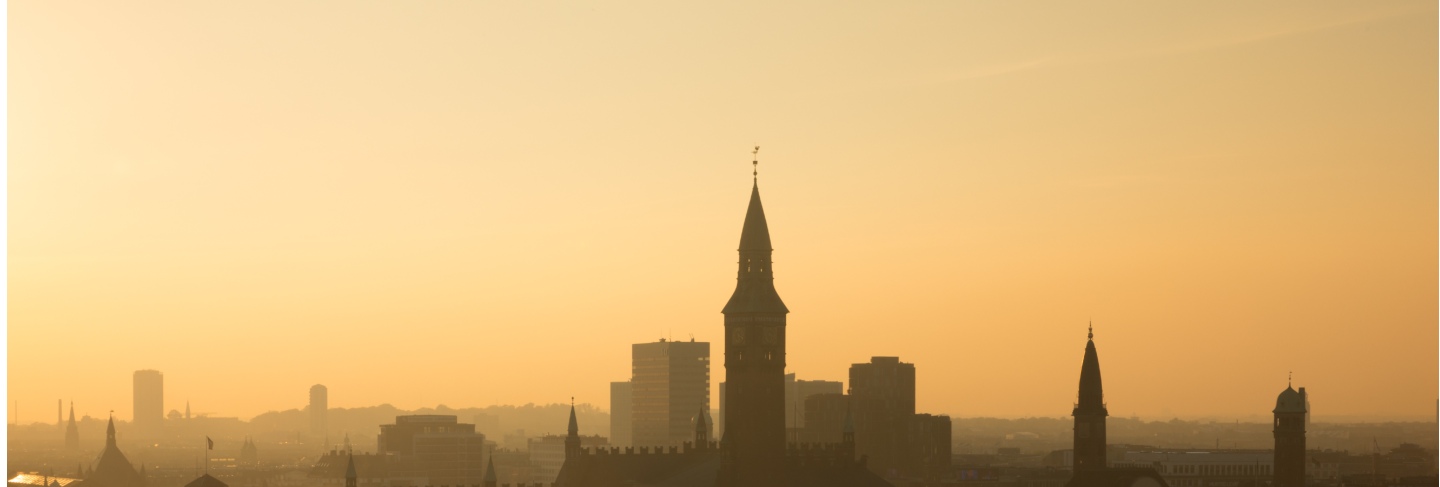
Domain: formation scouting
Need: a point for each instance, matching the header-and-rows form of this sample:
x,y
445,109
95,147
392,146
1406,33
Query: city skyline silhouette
x,y
510,197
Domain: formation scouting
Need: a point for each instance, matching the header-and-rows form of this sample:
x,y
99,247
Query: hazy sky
x,y
472,203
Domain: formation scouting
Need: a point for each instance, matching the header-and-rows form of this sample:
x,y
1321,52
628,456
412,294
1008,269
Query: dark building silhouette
x,y
112,469
883,395
825,418
1090,412
752,450
669,381
1091,469
319,409
149,395
798,390
620,411
754,361
72,431
206,480
928,453
433,447
1290,410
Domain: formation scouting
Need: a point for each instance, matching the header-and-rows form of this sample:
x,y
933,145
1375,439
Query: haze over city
x,y
476,204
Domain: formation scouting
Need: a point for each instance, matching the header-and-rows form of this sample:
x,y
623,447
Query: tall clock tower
x,y
754,435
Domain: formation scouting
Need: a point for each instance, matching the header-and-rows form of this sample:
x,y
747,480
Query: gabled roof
x,y
206,481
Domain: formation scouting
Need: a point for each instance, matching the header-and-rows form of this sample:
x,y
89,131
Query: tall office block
x,y
670,381
149,398
319,409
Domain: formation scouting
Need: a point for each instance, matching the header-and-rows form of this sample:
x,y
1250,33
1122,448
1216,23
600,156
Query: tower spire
x,y
574,427
1090,412
110,432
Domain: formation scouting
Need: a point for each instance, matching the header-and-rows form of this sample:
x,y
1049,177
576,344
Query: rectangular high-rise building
x,y
319,409
797,391
882,393
620,399
149,398
669,386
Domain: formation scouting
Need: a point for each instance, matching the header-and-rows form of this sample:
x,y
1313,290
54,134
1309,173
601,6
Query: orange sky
x,y
472,203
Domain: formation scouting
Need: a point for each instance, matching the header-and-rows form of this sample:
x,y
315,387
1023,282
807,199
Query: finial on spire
x,y
755,160
1290,379
1091,334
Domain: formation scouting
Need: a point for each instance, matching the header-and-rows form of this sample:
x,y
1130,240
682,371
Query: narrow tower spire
x,y
572,438
1090,411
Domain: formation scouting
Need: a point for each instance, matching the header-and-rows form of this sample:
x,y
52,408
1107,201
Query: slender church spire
x,y
574,428
490,478
72,431
110,432
572,437
1090,412
755,286
351,479
702,430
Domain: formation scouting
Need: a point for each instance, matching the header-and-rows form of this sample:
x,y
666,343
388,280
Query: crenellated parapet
x,y
687,449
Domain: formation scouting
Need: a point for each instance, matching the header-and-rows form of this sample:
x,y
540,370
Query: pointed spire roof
x,y
755,284
110,432
574,428
755,235
113,468
206,480
490,477
1092,395
701,427
350,468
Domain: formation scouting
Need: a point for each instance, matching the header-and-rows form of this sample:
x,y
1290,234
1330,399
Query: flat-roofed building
x,y
670,382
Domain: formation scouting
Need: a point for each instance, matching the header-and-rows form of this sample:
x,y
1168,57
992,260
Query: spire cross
x,y
755,160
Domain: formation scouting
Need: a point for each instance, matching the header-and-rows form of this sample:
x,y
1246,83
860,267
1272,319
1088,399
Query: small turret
x,y
110,433
572,438
702,429
351,479
72,431
490,478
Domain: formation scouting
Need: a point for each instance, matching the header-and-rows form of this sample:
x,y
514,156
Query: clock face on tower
x,y
770,336
737,336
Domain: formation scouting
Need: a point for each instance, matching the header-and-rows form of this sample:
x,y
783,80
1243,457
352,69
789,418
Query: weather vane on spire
x,y
755,160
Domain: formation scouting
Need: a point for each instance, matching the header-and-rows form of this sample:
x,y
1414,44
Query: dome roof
x,y
1290,401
